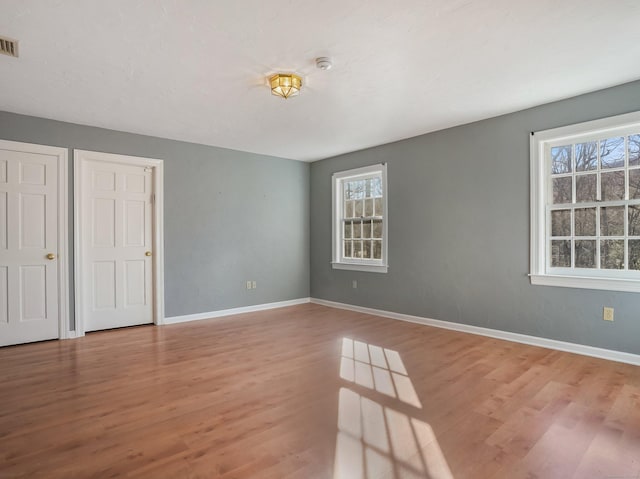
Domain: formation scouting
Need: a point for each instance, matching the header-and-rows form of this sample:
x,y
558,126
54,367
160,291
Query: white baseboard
x,y
73,335
232,311
609,354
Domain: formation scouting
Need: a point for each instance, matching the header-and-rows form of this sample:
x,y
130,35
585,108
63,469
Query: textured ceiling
x,y
195,70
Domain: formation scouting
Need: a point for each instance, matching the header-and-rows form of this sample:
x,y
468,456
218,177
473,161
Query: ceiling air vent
x,y
9,46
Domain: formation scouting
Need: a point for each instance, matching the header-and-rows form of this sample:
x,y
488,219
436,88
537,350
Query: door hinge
x,y
153,198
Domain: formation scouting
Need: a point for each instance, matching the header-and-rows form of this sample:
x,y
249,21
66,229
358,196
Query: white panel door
x,y
28,244
117,244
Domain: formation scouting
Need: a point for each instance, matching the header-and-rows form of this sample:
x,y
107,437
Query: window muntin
x,y
585,210
360,224
362,218
593,204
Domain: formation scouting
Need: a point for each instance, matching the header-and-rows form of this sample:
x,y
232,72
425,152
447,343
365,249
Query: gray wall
x,y
459,231
230,216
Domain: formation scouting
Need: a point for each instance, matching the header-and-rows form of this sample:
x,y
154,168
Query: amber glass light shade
x,y
285,84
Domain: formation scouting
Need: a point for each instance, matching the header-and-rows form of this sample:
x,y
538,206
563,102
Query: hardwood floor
x,y
312,392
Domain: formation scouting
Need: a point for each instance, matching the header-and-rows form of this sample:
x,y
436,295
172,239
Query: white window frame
x,y
540,145
338,261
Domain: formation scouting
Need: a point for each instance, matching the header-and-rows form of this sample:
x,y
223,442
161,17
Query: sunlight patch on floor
x,y
377,368
375,441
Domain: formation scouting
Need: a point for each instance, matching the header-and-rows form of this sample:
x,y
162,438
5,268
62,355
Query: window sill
x,y
586,282
371,268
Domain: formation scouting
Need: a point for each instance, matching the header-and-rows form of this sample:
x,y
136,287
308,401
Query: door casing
x,y
80,157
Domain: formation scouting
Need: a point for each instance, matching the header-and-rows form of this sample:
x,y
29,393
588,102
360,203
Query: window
x,y
585,205
360,219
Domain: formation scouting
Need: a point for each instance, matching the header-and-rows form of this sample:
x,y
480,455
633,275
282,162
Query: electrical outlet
x,y
607,314
354,283
253,284
248,284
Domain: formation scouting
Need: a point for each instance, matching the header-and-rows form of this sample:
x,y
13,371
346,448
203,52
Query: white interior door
x,y
29,246
117,244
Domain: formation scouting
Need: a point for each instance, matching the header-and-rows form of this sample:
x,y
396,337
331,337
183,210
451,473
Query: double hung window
x,y
360,219
585,202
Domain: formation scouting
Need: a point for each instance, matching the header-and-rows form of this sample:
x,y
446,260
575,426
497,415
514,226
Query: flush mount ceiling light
x,y
285,84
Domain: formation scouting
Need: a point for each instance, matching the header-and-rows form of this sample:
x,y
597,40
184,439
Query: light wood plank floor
x,y
312,392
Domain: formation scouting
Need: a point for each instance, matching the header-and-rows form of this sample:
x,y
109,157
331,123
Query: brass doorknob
x,y
147,253
51,256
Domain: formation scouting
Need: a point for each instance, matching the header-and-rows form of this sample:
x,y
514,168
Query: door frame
x,y
80,158
62,155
